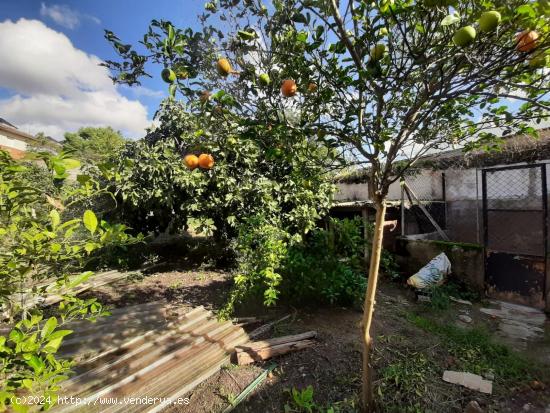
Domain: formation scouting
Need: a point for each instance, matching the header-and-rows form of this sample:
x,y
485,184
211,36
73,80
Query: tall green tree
x,y
93,144
386,81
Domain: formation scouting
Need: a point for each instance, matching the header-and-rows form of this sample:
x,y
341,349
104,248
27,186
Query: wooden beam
x,y
257,345
247,357
425,211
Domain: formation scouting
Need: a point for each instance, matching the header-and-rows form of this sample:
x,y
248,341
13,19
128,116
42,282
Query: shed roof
x,y
515,149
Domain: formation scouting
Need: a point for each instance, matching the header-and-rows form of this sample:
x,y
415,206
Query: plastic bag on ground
x,y
432,274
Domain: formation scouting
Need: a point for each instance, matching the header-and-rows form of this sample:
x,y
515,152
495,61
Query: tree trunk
x,y
368,307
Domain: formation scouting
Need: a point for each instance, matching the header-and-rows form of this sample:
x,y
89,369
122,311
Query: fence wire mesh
x,y
514,210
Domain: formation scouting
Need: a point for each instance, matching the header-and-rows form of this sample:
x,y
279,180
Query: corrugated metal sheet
x,y
150,350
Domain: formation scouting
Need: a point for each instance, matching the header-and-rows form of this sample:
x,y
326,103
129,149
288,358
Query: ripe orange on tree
x,y
191,161
312,87
224,67
206,161
527,41
289,88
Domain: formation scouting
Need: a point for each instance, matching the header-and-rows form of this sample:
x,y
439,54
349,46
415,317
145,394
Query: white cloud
x,y
65,16
57,87
140,91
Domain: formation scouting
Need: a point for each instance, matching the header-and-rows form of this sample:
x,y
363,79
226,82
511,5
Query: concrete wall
x,y
427,185
352,192
467,262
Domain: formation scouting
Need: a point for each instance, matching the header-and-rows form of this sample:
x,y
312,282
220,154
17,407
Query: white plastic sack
x,y
433,273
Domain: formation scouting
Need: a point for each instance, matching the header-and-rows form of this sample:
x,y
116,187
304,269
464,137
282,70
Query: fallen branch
x,y
266,327
251,356
245,320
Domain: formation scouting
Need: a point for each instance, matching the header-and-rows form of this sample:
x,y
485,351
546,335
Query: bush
x,y
328,267
46,240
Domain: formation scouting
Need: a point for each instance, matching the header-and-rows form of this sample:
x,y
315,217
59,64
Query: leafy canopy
x,y
92,144
417,93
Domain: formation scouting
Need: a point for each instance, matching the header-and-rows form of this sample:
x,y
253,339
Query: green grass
x,y
476,352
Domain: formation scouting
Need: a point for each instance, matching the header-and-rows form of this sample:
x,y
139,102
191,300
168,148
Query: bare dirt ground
x,y
409,360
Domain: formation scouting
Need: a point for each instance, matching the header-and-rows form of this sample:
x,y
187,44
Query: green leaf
x,y
90,221
53,345
16,335
171,33
299,18
450,19
49,327
36,363
70,163
82,179
419,28
60,333
55,218
89,247
80,279
526,9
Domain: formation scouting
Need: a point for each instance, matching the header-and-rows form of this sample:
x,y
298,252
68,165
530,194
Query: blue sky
x,y
28,97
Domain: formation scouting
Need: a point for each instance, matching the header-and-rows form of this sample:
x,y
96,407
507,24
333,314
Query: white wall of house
x,y
12,143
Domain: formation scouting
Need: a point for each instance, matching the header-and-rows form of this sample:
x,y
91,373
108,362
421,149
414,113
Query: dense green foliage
x,y
268,185
92,144
275,172
47,237
328,267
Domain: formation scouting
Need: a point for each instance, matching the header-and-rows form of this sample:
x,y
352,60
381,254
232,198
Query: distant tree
x,y
93,144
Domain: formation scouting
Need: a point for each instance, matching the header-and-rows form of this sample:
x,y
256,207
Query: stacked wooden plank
x,y
150,350
54,294
263,350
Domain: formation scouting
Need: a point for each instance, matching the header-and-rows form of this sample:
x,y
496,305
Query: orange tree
x,y
266,189
386,80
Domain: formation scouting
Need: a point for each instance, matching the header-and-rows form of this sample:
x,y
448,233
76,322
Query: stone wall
x,y
467,262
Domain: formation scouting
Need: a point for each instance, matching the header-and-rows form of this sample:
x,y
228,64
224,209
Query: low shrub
x,y
328,267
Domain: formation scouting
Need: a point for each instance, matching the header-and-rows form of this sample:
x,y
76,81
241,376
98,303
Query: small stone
x,y
489,376
465,319
527,407
537,385
473,407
